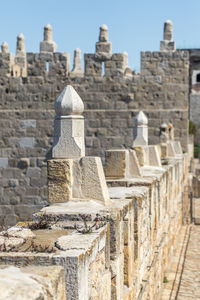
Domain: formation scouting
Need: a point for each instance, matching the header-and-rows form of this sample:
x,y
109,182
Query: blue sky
x,y
134,26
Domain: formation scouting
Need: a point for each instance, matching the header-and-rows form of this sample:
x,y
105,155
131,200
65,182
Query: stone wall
x,y
111,101
126,255
195,90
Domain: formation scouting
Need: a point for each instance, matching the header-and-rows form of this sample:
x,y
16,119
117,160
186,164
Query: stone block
x,y
170,149
163,148
3,162
103,47
33,172
47,46
32,283
115,163
140,153
134,166
27,142
59,180
121,163
25,124
93,180
177,147
167,46
154,156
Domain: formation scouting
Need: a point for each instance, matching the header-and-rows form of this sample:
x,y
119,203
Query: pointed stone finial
x,y
20,45
141,119
168,44
103,46
4,47
168,31
103,34
68,125
48,45
69,103
77,67
141,130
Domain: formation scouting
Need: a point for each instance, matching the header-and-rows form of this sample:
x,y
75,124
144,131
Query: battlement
x,y
49,62
112,95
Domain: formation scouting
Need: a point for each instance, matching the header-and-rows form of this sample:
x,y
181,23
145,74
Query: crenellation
x,y
103,46
77,66
4,47
48,45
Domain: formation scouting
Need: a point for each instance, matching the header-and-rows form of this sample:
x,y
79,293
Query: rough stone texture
x,y
77,67
111,102
130,243
59,180
48,45
195,90
121,163
70,179
32,283
140,153
115,163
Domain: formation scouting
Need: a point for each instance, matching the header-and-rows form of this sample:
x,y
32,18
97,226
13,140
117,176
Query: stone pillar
x,y
168,31
48,33
103,33
168,44
48,45
77,67
71,175
141,136
68,125
4,47
141,130
20,51
103,45
20,66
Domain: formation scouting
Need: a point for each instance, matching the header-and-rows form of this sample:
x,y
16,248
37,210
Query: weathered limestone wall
x,y
115,237
111,101
195,89
127,257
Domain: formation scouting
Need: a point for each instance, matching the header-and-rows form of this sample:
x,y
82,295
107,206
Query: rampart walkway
x,y
183,278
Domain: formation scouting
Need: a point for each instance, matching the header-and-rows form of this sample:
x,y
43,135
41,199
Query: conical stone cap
x,y
69,102
141,119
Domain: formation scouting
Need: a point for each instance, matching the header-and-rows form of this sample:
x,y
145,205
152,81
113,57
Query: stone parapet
x,y
115,250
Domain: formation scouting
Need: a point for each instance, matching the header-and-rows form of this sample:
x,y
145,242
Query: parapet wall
x,y
128,256
111,99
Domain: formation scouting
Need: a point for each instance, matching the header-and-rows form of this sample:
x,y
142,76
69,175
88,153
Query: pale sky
x,y
134,26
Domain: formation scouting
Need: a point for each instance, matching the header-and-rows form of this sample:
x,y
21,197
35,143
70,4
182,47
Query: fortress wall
x,y
128,256
111,98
